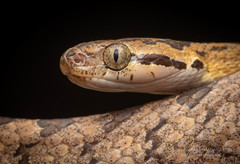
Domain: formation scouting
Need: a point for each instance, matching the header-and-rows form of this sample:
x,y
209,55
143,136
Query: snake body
x,y
199,126
148,65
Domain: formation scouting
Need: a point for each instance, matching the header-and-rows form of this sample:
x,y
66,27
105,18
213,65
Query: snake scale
x,y
201,125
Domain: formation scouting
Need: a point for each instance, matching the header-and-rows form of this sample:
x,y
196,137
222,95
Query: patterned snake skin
x,y
199,126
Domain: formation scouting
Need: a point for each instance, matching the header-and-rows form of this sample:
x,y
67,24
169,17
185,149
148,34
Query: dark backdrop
x,y
34,37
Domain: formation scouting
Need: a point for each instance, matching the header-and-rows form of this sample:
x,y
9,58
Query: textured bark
x,y
201,125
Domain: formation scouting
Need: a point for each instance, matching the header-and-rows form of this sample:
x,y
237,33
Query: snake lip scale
x,y
148,65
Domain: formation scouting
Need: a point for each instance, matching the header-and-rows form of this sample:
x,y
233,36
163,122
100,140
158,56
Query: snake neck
x,y
219,59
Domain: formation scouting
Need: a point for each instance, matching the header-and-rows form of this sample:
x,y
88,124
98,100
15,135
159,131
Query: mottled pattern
x,y
162,60
178,64
197,64
199,126
175,44
156,59
52,126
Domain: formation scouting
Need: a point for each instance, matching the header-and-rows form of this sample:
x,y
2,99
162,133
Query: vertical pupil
x,y
115,55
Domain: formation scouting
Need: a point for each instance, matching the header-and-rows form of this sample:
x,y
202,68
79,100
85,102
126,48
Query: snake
x,y
148,65
200,123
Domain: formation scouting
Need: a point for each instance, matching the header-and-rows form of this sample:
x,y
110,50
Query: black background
x,y
34,37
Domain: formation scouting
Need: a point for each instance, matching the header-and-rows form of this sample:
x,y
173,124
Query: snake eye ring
x,y
116,56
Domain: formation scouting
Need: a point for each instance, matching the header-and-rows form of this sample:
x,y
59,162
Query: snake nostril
x,y
79,58
74,56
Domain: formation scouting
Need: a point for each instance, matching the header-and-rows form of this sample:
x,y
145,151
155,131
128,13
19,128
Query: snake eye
x,y
116,56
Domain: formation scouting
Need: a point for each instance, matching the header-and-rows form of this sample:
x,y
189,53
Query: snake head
x,y
129,65
98,65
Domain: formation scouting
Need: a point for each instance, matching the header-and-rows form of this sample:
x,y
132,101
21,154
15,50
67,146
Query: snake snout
x,y
65,68
75,56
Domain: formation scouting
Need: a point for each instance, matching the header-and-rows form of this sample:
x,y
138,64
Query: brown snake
x,y
199,126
